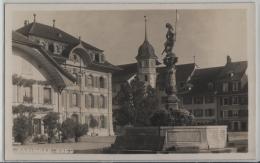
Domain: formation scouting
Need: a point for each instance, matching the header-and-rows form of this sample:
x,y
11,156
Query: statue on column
x,y
170,39
170,59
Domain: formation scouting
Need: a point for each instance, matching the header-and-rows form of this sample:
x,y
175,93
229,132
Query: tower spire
x,y
145,27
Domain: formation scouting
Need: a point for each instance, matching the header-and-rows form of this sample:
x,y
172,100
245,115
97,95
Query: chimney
x,y
25,23
228,59
53,23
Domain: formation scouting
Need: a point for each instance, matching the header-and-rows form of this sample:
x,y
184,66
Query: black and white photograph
x,y
154,81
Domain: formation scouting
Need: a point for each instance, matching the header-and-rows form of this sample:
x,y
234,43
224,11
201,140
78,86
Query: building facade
x,y
87,91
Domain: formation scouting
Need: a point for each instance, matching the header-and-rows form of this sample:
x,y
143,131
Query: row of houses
x,y
215,95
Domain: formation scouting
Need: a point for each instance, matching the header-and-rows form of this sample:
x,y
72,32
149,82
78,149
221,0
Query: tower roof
x,y
146,50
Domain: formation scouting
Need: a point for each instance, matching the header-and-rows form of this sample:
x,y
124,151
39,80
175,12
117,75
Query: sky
x,y
209,35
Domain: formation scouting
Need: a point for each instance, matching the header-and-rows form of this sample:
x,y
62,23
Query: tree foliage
x,y
137,103
50,120
160,117
22,128
72,129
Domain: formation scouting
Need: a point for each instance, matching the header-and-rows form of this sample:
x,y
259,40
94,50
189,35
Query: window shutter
x,y
105,101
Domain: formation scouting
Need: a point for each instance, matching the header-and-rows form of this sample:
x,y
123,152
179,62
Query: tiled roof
x,y
52,33
44,59
146,51
215,75
128,70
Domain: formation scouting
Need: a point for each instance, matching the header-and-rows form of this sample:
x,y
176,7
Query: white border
x,y
158,157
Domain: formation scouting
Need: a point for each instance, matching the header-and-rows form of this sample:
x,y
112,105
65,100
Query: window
x,y
27,95
209,112
87,101
235,100
210,86
209,99
235,86
63,99
75,99
89,81
198,100
235,113
152,63
225,87
225,101
187,100
47,96
225,114
102,101
51,47
102,82
96,57
92,101
230,113
145,77
103,121
198,112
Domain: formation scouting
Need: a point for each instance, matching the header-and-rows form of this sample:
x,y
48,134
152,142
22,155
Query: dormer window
x,y
231,74
96,57
51,47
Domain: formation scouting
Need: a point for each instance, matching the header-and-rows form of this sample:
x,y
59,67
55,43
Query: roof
x,y
146,51
215,75
52,33
55,73
126,72
237,68
201,78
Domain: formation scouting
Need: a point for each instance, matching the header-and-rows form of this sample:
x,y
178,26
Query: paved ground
x,y
96,144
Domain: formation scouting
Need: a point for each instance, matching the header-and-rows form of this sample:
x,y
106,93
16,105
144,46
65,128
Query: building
x,y
215,95
87,91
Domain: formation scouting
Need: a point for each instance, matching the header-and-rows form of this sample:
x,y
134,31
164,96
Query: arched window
x,y
89,81
87,101
92,101
102,102
102,82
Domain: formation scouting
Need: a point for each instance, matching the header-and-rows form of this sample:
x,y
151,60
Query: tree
x,y
51,122
80,130
67,129
93,123
137,103
22,128
72,129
